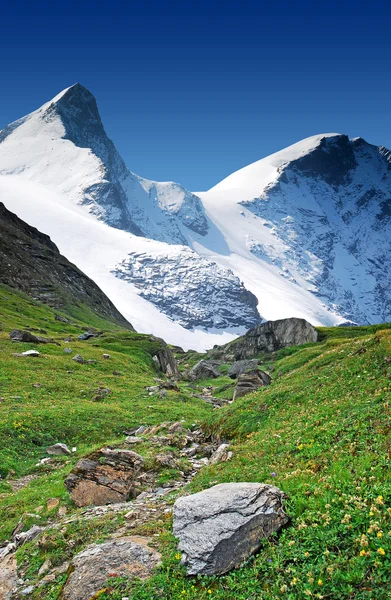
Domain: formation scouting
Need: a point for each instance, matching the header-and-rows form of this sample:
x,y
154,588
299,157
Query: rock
x,y
221,527
165,360
124,556
31,353
52,503
220,455
106,356
104,477
17,335
27,590
45,567
62,319
250,382
8,576
203,370
86,336
268,337
68,351
101,393
58,449
241,366
79,359
133,439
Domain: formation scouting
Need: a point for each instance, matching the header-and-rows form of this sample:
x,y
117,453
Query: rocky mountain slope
x,y
30,262
304,231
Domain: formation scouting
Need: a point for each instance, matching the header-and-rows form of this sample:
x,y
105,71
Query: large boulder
x,y
126,557
269,337
17,335
204,369
104,477
241,366
250,382
165,360
221,527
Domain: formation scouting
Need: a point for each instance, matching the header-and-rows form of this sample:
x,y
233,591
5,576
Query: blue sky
x,y
192,91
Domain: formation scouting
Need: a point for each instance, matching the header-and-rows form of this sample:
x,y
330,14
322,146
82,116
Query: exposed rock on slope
x,y
268,337
105,476
221,527
31,263
124,556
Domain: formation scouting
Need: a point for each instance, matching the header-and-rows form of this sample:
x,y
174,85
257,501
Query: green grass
x,y
321,432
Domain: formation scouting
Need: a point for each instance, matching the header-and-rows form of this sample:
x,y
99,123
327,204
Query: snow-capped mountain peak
x,y
304,232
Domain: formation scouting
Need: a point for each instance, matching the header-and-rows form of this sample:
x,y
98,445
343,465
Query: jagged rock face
x,y
269,337
165,360
104,477
127,557
31,263
221,527
330,214
193,291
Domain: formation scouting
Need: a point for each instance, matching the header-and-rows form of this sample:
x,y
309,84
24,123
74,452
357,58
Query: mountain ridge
x,y
288,226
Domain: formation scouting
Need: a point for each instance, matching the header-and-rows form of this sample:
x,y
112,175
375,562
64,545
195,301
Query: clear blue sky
x,y
192,91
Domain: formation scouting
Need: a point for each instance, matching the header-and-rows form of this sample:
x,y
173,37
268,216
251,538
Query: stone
x,y
222,454
86,336
17,335
268,337
58,449
222,526
133,439
125,556
106,356
29,353
203,370
250,382
8,576
52,503
62,319
241,366
68,350
79,359
165,360
104,477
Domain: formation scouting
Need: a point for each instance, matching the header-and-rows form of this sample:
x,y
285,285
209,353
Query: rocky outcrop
x,y
241,366
58,449
165,360
125,556
105,476
221,527
204,369
268,337
30,262
250,382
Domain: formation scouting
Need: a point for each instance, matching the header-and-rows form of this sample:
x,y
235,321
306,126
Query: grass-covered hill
x,y
320,432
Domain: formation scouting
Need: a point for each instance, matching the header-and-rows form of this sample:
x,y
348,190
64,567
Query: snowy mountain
x,y
318,214
305,232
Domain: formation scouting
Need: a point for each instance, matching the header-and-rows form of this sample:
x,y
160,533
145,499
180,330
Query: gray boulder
x,y
268,337
58,450
241,366
250,382
17,335
125,556
165,360
221,527
203,370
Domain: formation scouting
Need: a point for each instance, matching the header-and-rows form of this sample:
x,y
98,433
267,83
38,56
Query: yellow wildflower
x,y
320,582
381,551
